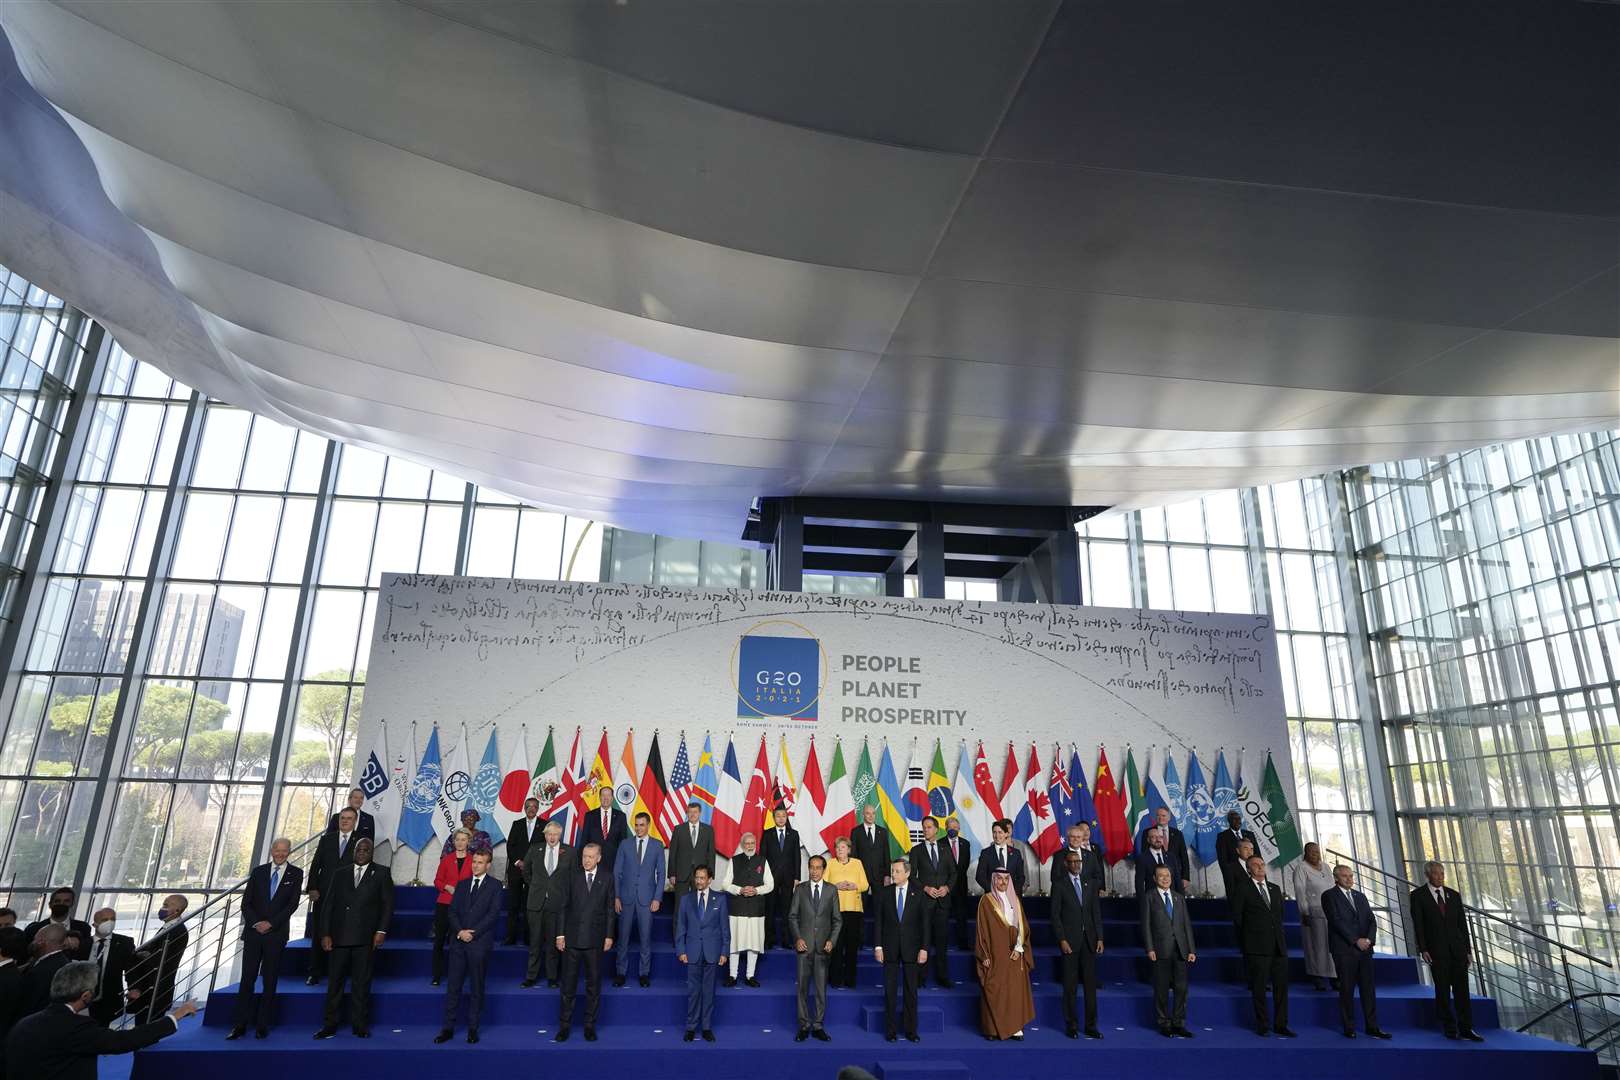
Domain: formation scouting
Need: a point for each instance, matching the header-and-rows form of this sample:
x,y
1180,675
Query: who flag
x,y
1201,813
1225,792
486,782
418,815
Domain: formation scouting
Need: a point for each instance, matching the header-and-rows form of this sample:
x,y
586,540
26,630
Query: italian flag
x,y
838,817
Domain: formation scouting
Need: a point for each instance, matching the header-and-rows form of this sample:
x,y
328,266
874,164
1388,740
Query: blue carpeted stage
x,y
755,1027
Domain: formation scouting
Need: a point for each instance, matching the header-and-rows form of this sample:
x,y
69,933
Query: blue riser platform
x,y
1128,963
748,1053
400,1001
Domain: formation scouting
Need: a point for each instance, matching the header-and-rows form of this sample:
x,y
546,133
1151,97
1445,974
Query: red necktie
x,y
1442,900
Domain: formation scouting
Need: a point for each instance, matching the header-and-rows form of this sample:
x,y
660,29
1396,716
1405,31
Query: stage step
x,y
924,1069
406,1052
401,1001
929,1019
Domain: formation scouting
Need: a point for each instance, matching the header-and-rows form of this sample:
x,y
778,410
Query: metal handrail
x,y
1566,1003
1515,927
222,962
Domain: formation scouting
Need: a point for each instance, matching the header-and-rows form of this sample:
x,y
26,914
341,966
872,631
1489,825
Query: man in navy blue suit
x,y
268,904
638,886
702,940
1352,930
475,913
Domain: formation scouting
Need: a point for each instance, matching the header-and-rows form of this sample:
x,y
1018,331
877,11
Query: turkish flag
x,y
757,803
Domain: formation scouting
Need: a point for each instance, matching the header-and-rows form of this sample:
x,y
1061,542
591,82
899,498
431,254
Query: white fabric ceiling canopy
x,y
646,261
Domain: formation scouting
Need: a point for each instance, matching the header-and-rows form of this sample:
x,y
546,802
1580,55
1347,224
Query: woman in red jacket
x,y
454,867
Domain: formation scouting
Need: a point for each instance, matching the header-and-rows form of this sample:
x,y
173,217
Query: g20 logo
x,y
778,669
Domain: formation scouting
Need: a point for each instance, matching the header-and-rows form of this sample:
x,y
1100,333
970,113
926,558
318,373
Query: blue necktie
x,y
1078,892
900,904
1169,906
275,879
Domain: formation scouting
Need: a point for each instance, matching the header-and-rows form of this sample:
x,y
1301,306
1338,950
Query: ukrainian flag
x,y
889,801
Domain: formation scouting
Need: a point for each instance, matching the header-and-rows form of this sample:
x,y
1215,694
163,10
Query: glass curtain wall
x,y
1489,586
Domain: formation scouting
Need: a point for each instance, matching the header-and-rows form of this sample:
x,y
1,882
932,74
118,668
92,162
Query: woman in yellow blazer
x,y
848,876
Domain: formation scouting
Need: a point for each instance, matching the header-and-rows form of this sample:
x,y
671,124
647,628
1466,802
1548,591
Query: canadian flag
x,y
1035,824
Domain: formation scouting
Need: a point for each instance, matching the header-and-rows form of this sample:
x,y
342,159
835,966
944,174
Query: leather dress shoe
x,y
1286,1033
1471,1036
526,983
1183,1033
689,1036
820,1035
803,1034
236,1032
443,1036
472,1036
1093,1033
646,980
362,1033
326,1033
1073,1033
708,1035
261,1033
561,1036
310,980
890,1037
590,1034
618,980
751,981
912,1036
1350,1033
1379,1033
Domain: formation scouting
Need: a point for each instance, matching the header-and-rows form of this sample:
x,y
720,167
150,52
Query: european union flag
x,y
1084,809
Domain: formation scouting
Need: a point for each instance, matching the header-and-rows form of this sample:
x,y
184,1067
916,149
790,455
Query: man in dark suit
x,y
962,856
902,947
525,832
62,1042
112,954
13,954
1167,935
638,891
1352,931
584,935
691,845
364,824
354,923
869,843
814,921
782,855
933,872
268,903
1258,914
475,913
60,905
1078,838
1235,875
334,849
1226,843
1001,855
547,870
702,940
1149,861
1440,927
156,962
605,827
49,957
1077,926
1175,846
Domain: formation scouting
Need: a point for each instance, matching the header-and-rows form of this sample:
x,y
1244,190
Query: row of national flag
x,y
414,799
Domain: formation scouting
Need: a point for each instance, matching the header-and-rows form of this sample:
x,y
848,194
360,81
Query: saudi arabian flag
x,y
864,789
1280,819
1136,813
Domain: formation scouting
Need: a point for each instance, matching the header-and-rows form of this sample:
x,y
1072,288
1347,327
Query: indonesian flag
x,y
757,806
838,815
1009,774
515,780
728,805
811,807
1035,824
784,792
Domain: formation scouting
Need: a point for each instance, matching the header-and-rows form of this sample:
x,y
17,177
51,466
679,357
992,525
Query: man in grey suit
x,y
690,846
814,920
1168,937
546,871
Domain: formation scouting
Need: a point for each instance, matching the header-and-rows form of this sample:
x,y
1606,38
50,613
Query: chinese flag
x,y
1116,836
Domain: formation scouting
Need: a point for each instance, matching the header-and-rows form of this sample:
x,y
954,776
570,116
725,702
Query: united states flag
x,y
680,792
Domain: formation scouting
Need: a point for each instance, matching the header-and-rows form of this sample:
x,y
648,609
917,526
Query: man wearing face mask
x,y
961,911
111,953
153,968
60,905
